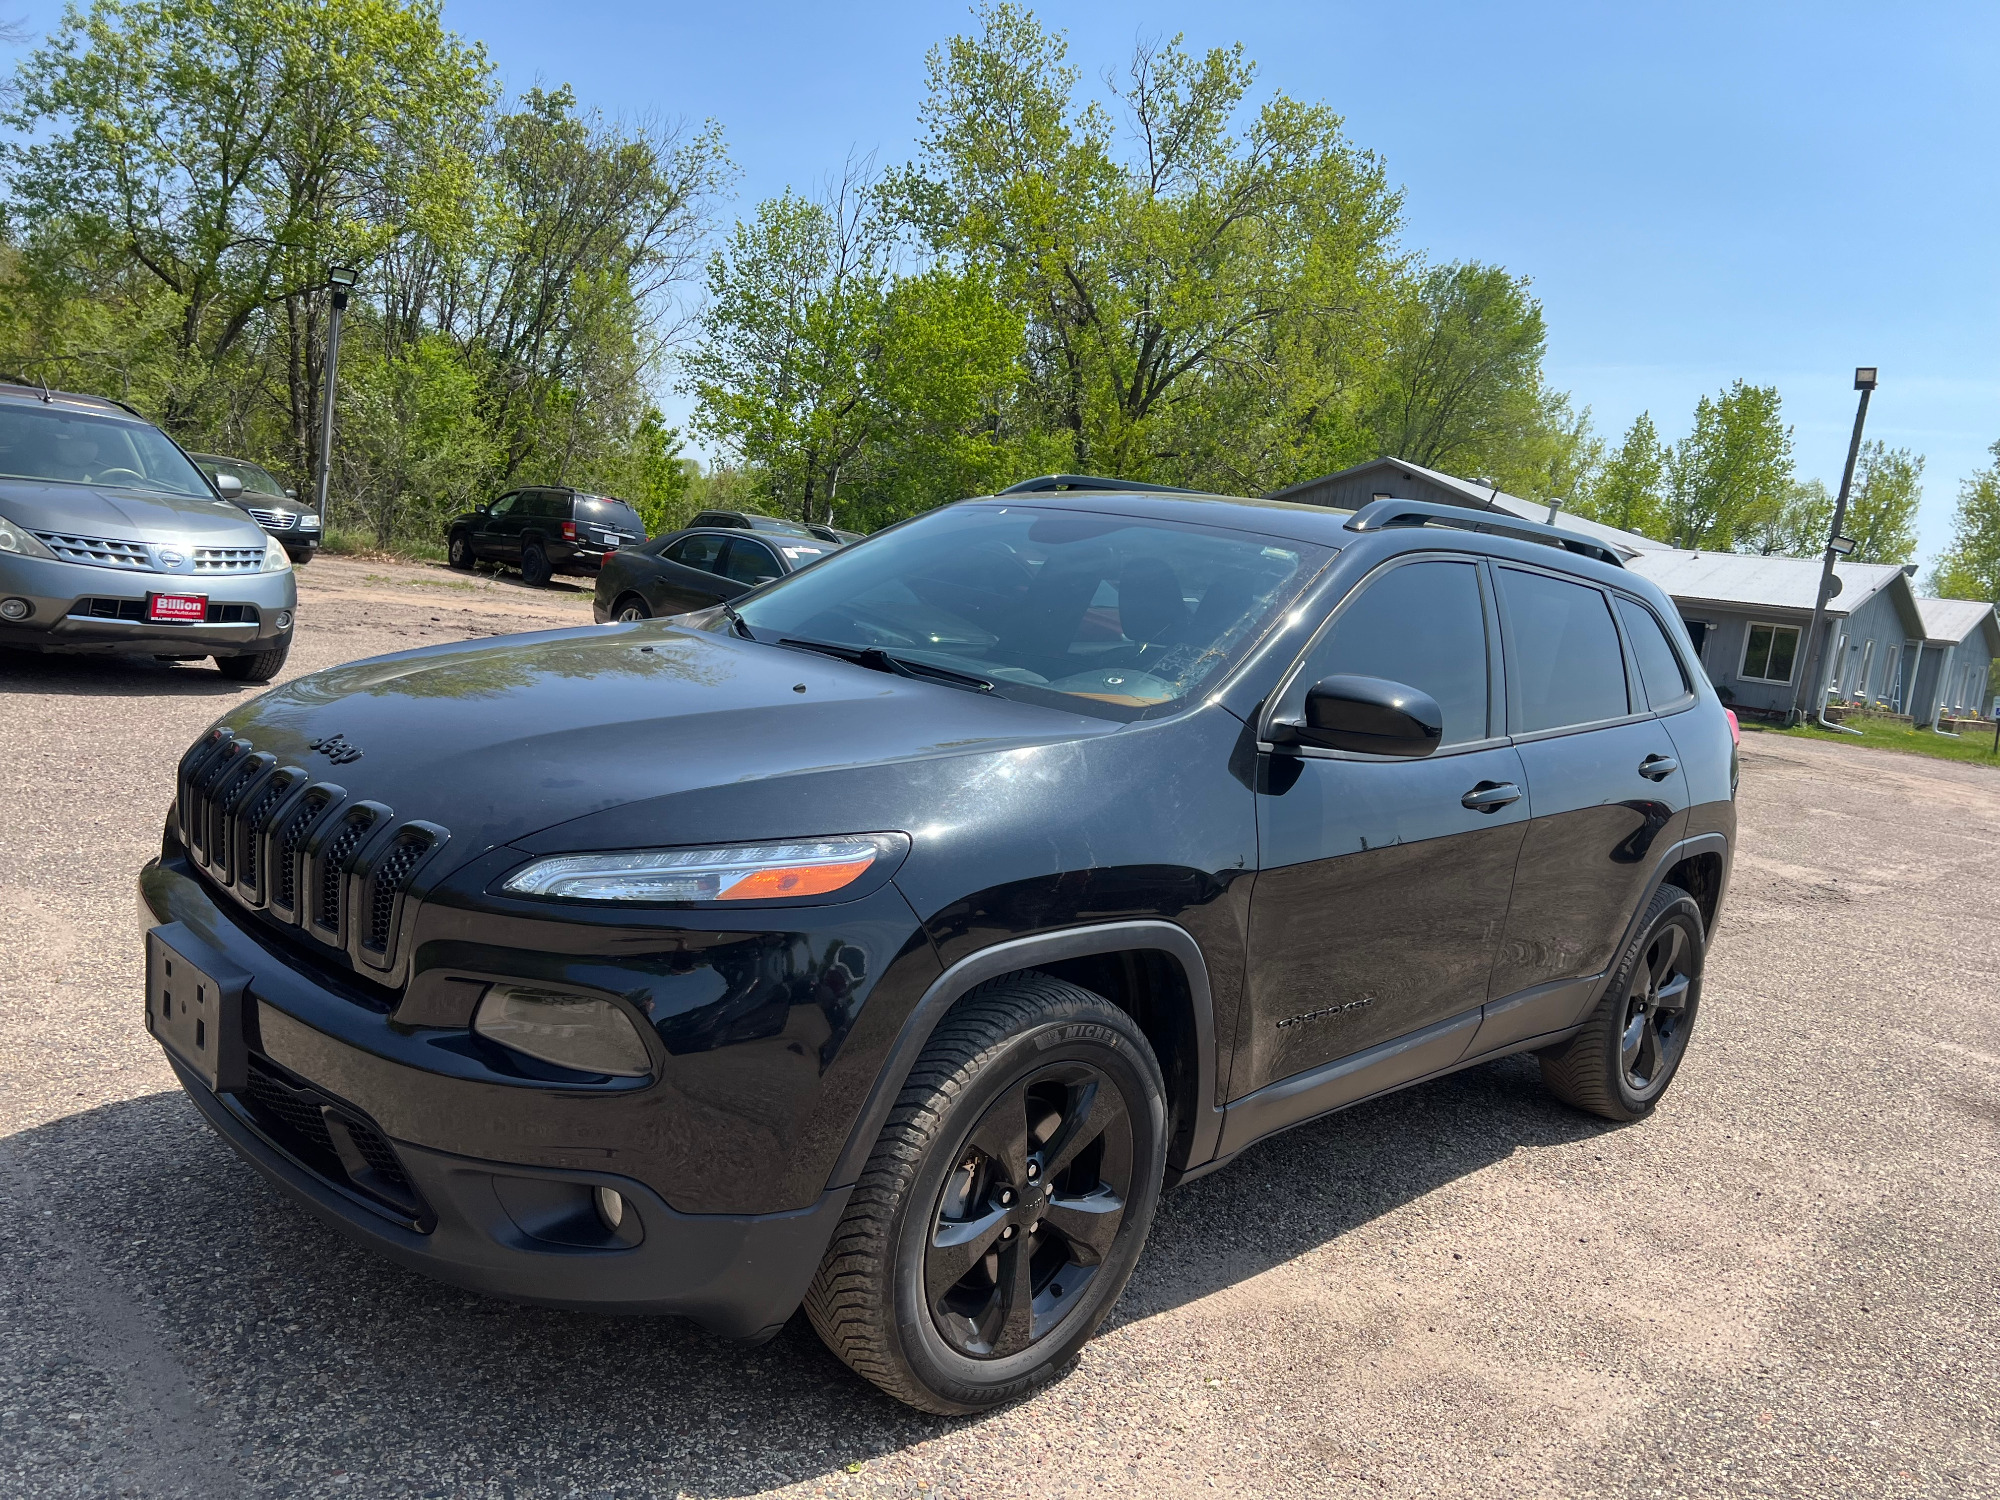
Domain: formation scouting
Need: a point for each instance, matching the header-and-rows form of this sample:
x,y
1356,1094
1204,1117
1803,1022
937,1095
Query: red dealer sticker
x,y
178,607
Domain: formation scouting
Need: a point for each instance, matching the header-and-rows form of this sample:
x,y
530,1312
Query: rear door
x,y
1605,788
1381,890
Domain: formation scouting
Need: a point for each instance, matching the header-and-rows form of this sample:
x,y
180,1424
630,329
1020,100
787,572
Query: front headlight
x,y
275,558
748,872
22,542
308,521
571,1031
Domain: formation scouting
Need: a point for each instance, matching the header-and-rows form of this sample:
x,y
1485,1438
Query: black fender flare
x,y
1025,953
1701,843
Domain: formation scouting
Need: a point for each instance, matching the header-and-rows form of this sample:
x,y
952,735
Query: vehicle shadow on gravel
x,y
31,674
316,1359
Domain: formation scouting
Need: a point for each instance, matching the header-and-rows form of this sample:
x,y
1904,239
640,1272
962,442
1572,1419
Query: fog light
x,y
15,609
610,1207
284,619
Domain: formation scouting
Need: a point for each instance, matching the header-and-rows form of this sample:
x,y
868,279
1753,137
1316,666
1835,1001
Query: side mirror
x,y
291,494
228,486
1369,715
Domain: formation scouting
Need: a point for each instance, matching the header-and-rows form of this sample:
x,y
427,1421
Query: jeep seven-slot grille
x,y
282,843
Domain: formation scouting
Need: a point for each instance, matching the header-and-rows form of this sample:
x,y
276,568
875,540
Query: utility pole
x,y
1838,546
341,279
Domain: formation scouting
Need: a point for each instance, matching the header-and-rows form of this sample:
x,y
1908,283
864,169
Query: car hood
x,y
498,740
125,515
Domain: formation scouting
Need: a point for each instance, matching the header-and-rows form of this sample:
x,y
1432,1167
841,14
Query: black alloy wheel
x,y
1631,1045
1655,1032
1029,1213
461,554
1005,1203
630,608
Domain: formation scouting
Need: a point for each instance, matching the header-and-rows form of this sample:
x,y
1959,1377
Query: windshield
x,y
1094,612
256,480
37,442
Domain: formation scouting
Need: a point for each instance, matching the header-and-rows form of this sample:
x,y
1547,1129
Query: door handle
x,y
1491,796
1658,767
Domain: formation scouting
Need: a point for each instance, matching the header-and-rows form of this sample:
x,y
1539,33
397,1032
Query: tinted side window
x,y
1421,625
704,552
1659,666
750,562
551,503
505,504
1566,667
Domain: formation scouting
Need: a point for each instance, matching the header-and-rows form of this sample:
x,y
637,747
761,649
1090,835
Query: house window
x,y
1769,653
1867,670
1697,633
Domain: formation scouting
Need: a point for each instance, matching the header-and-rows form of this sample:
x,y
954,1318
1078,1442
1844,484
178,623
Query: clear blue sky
x,y
1700,192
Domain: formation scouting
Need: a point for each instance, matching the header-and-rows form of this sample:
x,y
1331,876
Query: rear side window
x,y
704,552
1422,625
750,562
1660,667
1566,666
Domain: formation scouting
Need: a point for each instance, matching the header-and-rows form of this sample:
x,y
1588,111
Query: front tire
x,y
261,667
1005,1204
1620,1063
300,556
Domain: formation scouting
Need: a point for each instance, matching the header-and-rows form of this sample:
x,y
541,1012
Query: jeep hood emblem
x,y
336,748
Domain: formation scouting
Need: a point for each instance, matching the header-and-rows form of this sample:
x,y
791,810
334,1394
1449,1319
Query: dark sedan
x,y
697,568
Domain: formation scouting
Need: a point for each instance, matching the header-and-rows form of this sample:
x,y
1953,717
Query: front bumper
x,y
491,1181
79,607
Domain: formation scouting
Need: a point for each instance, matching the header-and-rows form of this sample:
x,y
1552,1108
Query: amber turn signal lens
x,y
801,880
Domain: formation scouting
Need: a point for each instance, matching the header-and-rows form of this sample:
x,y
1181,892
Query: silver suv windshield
x,y
41,442
1102,613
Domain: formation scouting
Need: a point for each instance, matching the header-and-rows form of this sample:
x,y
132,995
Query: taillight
x,y
1735,729
569,531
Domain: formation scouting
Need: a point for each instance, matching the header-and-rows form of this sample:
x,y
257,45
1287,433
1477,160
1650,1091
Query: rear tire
x,y
535,569
261,667
629,608
460,552
1024,1152
1621,1062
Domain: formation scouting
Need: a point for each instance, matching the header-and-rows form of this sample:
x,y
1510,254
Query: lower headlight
x,y
747,872
276,559
571,1031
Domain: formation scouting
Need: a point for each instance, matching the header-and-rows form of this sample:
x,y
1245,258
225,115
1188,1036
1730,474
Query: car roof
x,y
1279,518
15,391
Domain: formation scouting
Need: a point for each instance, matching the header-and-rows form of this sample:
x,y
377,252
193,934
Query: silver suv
x,y
111,539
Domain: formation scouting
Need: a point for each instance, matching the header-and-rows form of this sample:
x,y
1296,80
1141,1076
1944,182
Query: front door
x,y
1605,790
492,539
1383,883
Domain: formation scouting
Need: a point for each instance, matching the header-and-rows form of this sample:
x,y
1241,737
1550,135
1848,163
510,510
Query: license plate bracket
x,y
194,1006
177,609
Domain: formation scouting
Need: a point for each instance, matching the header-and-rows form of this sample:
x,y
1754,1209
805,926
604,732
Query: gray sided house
x,y
1350,489
1961,638
1748,617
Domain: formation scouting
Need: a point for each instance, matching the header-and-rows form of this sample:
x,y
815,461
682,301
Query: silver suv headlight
x,y
22,542
276,560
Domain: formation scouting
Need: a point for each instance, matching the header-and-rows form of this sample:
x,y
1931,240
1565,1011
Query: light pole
x,y
1838,545
341,280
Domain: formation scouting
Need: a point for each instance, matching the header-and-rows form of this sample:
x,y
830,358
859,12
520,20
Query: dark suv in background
x,y
693,569
750,521
544,530
887,941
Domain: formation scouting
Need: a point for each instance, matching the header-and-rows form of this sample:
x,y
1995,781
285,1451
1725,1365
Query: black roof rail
x,y
1048,483
1377,515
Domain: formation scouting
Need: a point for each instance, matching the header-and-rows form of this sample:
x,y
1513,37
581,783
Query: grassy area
x,y
343,543
1975,745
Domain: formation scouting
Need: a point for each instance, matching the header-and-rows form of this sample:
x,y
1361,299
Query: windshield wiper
x,y
877,660
736,621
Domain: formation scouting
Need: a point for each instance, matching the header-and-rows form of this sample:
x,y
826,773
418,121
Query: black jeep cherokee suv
x,y
887,941
543,530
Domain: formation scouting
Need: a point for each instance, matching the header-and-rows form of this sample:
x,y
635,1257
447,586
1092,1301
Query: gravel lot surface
x,y
1782,1284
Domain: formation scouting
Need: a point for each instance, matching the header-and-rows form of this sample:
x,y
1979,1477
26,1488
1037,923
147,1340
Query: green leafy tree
x,y
1731,475
1629,491
1798,527
1882,507
1970,566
